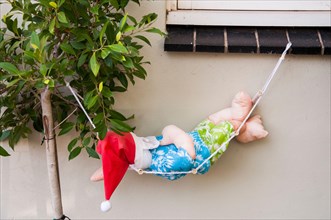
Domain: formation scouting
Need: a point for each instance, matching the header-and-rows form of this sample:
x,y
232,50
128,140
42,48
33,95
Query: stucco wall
x,y
285,176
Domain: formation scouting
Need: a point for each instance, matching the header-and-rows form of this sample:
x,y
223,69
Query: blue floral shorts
x,y
169,158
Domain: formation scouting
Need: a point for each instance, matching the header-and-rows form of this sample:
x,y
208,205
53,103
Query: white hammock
x,y
258,96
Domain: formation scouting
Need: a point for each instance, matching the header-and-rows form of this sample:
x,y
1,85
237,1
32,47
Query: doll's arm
x,y
241,105
223,115
174,135
97,175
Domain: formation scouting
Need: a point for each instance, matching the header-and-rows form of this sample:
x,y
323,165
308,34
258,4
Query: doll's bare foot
x,y
97,175
241,105
254,130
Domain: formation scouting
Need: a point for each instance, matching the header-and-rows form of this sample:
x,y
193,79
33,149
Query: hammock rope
x,y
258,96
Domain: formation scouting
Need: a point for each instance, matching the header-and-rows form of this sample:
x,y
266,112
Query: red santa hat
x,y
118,152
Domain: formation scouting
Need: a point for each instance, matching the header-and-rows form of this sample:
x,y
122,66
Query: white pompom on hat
x,y
118,152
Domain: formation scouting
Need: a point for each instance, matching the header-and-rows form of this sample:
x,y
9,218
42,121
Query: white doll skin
x,y
240,107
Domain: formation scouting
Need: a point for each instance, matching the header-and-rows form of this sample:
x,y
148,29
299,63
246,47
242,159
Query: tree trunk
x,y
51,154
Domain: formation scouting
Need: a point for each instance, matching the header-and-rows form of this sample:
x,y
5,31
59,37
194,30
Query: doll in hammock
x,y
176,150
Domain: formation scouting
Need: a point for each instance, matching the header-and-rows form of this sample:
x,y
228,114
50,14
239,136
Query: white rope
x,y
80,104
256,101
273,73
59,124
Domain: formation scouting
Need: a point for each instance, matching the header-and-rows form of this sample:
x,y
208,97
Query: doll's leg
x,y
254,130
241,105
174,135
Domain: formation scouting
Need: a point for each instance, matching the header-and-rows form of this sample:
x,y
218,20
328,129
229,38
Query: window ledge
x,y
260,40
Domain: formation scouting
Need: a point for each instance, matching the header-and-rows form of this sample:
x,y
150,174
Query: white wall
x,y
285,176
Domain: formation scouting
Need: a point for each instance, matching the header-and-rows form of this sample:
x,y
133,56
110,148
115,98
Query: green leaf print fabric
x,y
214,136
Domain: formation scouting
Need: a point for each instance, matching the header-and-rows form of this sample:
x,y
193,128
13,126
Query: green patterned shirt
x,y
214,136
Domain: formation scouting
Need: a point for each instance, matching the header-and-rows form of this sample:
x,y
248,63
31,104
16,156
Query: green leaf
x,y
123,21
133,20
61,2
39,84
9,68
128,63
52,26
100,86
141,72
74,153
98,118
92,153
88,96
118,36
66,127
116,115
129,28
15,27
124,3
4,135
119,89
13,82
101,129
29,55
156,31
38,124
69,72
62,17
53,4
43,69
95,9
120,125
81,60
3,152
86,141
147,19
118,48
78,45
51,83
109,62
137,2
133,51
122,78
94,65
92,102
140,37
67,48
15,136
106,92
72,143
34,42
103,132
105,52
103,30
46,81
114,3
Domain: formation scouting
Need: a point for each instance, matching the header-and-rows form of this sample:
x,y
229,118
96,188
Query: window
x,y
249,26
250,13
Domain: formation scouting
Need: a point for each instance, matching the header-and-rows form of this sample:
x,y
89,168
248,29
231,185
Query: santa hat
x,y
118,151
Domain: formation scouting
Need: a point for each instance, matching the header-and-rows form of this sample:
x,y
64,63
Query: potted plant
x,y
45,46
